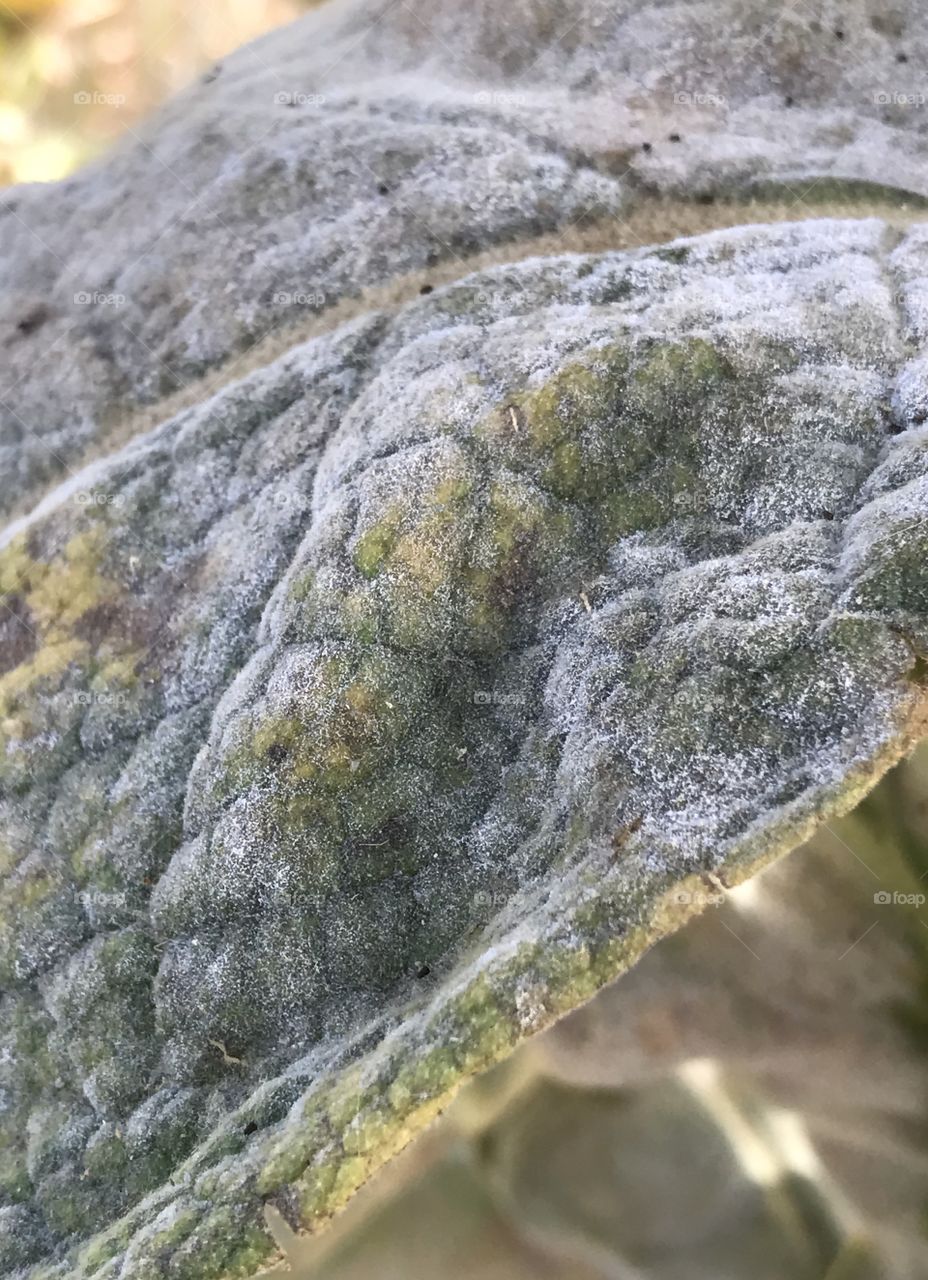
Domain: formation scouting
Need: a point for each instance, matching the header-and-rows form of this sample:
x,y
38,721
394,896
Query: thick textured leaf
x,y
748,1100
363,717
375,139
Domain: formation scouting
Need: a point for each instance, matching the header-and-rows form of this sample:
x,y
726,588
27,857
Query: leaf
x,y
322,783
363,717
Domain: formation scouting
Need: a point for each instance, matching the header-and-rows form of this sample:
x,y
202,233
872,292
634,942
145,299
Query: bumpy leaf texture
x,y
369,711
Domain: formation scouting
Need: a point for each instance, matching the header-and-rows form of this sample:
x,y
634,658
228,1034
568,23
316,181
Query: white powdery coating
x,y
352,759
365,141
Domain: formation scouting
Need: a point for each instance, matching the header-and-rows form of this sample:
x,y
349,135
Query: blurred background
x,y
76,74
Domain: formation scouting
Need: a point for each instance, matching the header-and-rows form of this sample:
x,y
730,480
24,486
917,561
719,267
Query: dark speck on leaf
x,y
33,320
645,146
426,289
423,971
674,137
